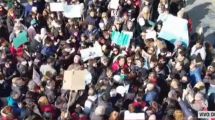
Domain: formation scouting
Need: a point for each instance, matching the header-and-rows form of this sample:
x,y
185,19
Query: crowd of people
x,y
152,77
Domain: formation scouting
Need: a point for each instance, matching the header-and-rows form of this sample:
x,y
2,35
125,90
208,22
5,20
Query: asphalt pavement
x,y
202,12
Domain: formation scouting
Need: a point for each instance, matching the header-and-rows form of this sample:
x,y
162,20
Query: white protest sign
x,y
134,116
74,79
90,53
56,7
36,77
150,34
114,4
73,11
175,29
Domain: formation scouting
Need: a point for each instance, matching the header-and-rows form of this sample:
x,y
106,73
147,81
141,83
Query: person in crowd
x,y
11,17
19,9
3,13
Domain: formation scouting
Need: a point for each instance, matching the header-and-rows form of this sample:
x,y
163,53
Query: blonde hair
x,y
145,13
43,100
10,11
178,115
160,44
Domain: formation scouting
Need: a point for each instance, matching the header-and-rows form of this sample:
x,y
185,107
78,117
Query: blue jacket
x,y
11,102
150,97
28,10
195,76
48,51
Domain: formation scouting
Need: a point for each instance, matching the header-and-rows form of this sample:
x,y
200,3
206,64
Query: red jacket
x,y
76,116
17,52
116,67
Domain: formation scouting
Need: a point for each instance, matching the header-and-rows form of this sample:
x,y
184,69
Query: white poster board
x,y
134,116
90,53
175,29
151,34
73,11
114,4
56,7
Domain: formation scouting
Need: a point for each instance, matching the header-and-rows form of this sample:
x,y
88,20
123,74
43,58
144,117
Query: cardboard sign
x,y
74,80
56,7
21,39
114,4
122,39
175,29
92,52
134,116
73,11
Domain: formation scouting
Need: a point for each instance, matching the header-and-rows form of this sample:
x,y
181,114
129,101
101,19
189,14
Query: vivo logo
x,y
206,114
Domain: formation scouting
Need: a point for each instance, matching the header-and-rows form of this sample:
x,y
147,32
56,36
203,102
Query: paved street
x,y
202,13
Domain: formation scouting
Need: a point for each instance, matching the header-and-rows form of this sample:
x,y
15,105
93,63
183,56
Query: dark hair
x,y
199,42
121,57
182,53
211,102
154,58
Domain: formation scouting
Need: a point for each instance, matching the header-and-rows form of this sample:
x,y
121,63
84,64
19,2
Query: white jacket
x,y
201,51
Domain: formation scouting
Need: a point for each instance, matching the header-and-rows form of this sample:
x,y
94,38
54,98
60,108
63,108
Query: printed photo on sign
x,y
90,53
